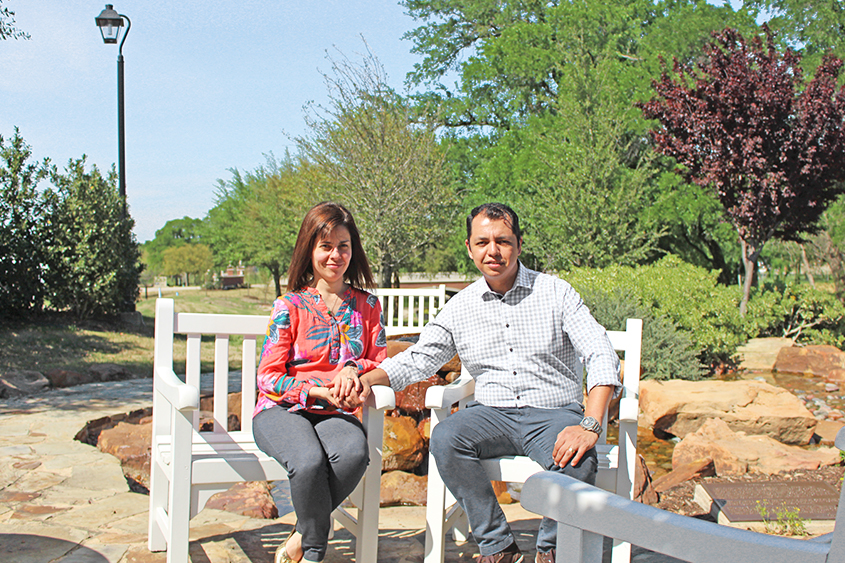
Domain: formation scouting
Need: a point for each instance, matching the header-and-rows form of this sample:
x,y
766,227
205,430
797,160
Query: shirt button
x,y
507,325
510,349
514,373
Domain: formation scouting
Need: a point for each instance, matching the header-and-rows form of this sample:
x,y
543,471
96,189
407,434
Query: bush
x,y
686,295
667,352
799,312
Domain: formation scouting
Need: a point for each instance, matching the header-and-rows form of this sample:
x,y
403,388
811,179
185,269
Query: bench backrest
x,y
221,327
408,310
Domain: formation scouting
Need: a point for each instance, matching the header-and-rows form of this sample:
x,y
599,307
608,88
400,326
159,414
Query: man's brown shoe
x,y
547,557
510,554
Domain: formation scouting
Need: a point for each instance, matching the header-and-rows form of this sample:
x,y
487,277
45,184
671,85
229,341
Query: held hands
x,y
572,443
347,390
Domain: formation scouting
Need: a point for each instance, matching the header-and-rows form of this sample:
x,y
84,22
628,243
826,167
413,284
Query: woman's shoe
x,y
282,551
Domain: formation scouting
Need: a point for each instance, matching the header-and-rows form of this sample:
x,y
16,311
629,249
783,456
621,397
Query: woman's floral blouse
x,y
306,346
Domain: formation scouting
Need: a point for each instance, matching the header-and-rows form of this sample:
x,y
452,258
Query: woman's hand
x,y
324,393
345,386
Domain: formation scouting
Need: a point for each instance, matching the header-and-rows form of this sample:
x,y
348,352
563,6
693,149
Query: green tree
x,y
94,260
22,237
7,25
257,214
817,27
187,259
175,232
386,167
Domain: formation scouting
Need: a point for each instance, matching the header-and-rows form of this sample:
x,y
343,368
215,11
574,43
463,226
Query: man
x,y
520,334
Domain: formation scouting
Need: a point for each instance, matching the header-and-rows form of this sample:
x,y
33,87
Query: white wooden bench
x,y
408,310
188,466
585,514
617,462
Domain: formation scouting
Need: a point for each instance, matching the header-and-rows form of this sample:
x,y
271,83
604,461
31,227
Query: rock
x,y
67,378
451,376
401,488
685,472
680,407
252,499
130,443
396,346
109,372
810,360
735,453
836,374
759,354
424,428
452,365
234,408
826,431
644,490
18,383
403,447
411,400
502,493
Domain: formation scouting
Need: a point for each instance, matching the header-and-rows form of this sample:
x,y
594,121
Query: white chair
x,y
408,310
188,466
617,462
586,514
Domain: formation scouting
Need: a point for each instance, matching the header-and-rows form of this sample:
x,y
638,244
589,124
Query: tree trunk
x,y
749,261
386,273
277,280
807,266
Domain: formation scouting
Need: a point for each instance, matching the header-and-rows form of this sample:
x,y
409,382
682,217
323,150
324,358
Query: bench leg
x,y
156,539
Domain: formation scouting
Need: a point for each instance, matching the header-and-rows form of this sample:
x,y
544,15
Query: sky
x,y
209,86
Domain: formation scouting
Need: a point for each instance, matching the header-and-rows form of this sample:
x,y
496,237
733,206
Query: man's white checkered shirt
x,y
521,348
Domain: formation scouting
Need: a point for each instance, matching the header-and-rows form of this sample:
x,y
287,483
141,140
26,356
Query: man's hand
x,y
571,445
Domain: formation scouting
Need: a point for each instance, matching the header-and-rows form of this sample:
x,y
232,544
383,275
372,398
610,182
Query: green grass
x,y
56,342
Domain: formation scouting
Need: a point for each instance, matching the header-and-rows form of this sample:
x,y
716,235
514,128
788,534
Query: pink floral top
x,y
306,346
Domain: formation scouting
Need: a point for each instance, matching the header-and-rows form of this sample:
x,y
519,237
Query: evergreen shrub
x,y
686,295
799,312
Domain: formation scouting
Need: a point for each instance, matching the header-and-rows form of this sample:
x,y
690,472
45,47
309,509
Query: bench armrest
x,y
381,397
444,396
629,410
182,396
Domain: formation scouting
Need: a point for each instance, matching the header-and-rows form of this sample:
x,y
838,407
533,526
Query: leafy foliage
x,y
7,25
667,353
175,232
686,295
94,259
743,123
800,312
387,168
187,259
22,240
257,214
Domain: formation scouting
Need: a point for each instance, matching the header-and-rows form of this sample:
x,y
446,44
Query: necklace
x,y
335,307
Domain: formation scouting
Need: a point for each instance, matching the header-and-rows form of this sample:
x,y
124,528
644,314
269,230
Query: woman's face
x,y
331,255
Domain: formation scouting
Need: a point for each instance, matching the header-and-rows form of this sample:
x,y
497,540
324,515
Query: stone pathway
x,y
63,501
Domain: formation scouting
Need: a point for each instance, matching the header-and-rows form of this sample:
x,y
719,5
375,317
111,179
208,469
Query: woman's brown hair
x,y
321,220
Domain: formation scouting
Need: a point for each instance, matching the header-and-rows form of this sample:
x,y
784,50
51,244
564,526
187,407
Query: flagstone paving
x,y
63,501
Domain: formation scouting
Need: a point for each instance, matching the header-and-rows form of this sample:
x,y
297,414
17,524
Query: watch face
x,y
591,424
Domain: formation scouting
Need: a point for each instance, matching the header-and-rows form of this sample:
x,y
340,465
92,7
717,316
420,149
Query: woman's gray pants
x,y
325,456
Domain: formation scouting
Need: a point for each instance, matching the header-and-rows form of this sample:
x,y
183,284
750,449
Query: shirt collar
x,y
524,279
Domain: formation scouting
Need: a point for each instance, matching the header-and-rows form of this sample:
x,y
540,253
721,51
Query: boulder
x,y
18,383
109,372
403,447
735,453
396,346
644,491
680,407
253,499
67,378
411,400
817,360
826,431
401,488
130,443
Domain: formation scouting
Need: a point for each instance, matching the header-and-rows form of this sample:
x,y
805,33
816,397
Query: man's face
x,y
494,249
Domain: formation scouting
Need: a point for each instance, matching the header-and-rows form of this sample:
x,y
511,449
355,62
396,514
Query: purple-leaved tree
x,y
744,122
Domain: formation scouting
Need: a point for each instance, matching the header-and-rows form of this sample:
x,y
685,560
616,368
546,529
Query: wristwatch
x,y
591,424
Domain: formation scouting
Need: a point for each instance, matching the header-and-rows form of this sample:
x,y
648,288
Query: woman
x,y
322,334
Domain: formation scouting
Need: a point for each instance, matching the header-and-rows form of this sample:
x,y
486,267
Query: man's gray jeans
x,y
480,432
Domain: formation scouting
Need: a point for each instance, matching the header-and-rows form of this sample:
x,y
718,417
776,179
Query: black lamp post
x,y
110,22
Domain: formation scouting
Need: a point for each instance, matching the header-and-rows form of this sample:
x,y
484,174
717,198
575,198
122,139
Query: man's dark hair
x,y
495,211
